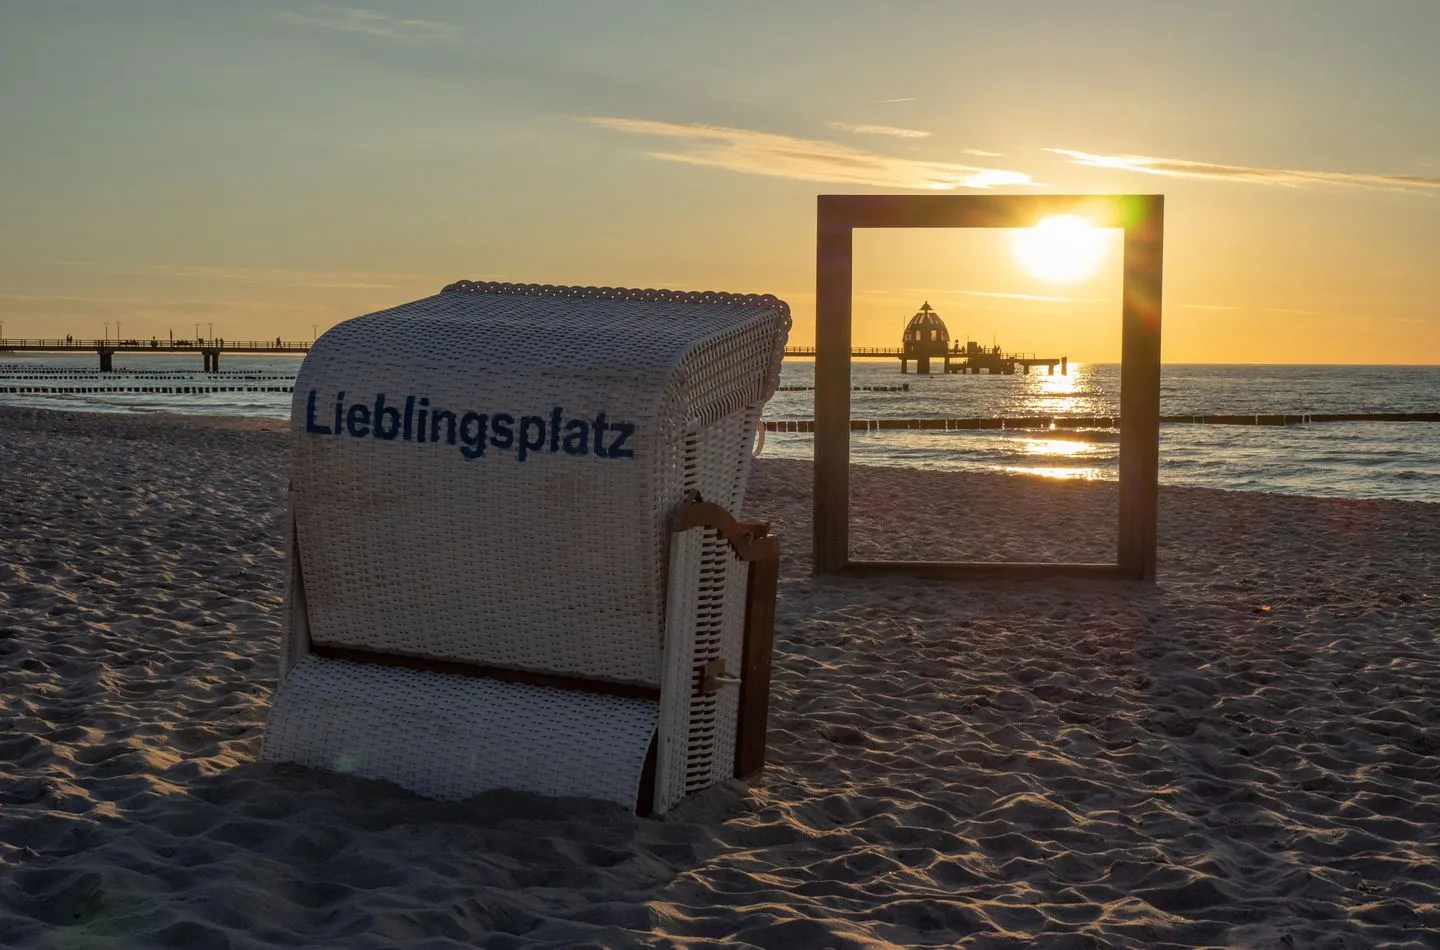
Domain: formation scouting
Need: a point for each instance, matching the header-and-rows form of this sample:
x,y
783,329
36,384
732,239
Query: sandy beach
x,y
1245,754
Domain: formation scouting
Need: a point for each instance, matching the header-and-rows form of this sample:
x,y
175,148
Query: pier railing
x,y
857,351
145,346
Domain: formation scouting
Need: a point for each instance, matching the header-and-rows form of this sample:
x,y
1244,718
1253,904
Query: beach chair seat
x,y
514,561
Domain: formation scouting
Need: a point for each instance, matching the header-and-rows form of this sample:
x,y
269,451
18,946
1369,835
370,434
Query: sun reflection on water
x,y
1061,444
1055,446
1057,394
1056,472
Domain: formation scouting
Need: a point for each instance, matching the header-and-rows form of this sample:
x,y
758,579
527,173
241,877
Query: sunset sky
x,y
270,165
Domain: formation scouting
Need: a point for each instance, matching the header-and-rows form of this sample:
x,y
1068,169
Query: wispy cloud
x,y
1361,314
901,99
879,130
331,16
1227,308
79,304
983,153
784,156
1043,298
84,299
353,280
944,292
1289,177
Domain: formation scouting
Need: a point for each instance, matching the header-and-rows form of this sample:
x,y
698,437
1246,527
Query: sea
x,y
1394,460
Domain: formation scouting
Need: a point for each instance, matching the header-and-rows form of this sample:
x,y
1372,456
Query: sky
x,y
272,167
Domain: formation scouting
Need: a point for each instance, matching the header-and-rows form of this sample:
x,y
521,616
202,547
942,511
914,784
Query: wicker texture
x,y
559,561
501,558
412,728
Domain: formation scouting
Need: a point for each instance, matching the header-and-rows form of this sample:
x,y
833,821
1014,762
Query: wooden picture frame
x,y
1142,218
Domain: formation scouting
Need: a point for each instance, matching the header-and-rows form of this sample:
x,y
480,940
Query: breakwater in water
x,y
1105,422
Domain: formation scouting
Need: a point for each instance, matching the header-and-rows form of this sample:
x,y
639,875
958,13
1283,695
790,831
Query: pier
x,y
209,350
927,338
956,359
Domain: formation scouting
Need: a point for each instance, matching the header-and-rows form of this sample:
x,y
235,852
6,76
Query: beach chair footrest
x,y
450,737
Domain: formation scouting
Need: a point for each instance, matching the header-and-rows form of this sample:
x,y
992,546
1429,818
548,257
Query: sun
x,y
1060,249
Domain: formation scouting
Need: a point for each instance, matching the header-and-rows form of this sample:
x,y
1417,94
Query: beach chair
x,y
514,559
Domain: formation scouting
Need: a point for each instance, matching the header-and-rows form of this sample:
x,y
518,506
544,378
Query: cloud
x,y
901,99
331,16
49,305
981,152
941,293
1328,316
106,301
1043,298
1289,177
353,280
879,130
1226,308
783,156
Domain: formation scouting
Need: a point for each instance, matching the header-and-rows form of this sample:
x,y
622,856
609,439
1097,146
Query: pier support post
x,y
212,360
107,359
922,365
904,365
1064,368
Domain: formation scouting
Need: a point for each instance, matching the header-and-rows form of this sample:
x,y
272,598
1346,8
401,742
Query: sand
x,y
1242,755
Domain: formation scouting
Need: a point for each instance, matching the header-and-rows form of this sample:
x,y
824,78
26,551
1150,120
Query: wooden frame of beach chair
x,y
399,683
1142,217
752,543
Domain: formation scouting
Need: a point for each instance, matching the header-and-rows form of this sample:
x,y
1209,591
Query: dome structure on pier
x,y
926,334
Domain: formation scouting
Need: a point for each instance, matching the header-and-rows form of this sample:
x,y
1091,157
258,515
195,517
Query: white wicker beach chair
x,y
512,561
